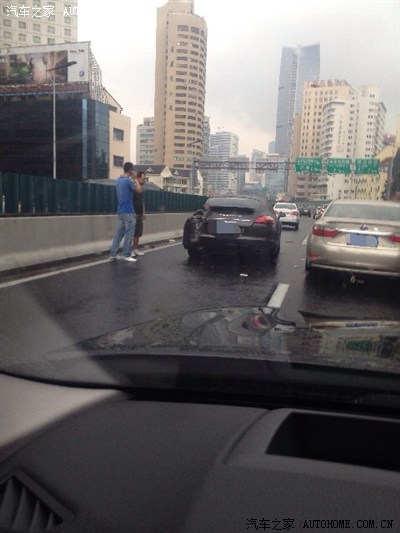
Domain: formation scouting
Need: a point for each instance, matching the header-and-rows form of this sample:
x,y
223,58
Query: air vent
x,y
26,507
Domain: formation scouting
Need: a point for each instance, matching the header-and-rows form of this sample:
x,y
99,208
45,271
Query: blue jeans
x,y
125,229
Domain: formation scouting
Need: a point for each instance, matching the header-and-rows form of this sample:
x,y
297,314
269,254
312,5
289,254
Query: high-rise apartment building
x,y
254,174
36,22
337,133
369,139
145,142
337,136
336,123
180,84
371,113
224,146
308,133
298,65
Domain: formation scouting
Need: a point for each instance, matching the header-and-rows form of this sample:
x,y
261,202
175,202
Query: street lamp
x,y
69,64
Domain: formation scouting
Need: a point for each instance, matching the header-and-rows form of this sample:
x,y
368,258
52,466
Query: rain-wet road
x,y
73,304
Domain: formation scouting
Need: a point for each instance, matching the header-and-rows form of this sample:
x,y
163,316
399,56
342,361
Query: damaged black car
x,y
234,225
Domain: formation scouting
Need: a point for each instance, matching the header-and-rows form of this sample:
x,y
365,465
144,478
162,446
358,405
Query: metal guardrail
x,y
22,194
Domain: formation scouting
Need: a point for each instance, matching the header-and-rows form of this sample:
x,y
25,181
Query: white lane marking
x,y
305,241
72,268
49,274
279,295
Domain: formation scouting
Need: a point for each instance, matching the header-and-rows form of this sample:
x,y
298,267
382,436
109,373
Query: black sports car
x,y
234,224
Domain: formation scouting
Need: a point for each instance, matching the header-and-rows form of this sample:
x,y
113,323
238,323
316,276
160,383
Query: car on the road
x,y
288,213
233,224
357,237
319,210
305,211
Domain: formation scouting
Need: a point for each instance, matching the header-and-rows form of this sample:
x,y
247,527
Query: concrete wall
x,y
29,241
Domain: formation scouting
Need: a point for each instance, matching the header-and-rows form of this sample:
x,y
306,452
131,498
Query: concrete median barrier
x,y
32,241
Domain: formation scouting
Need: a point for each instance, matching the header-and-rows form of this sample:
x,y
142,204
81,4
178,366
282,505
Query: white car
x,y
288,213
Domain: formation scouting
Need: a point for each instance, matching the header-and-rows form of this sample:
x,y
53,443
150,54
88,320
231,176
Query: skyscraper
x,y
180,84
224,146
337,122
311,135
298,65
371,114
145,142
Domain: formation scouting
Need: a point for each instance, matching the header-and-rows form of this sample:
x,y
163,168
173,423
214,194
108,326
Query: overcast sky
x,y
359,40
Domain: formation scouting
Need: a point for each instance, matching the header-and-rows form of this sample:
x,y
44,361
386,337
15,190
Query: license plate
x,y
224,227
356,239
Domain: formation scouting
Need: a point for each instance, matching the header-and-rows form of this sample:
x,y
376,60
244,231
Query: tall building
x,y
337,123
308,131
145,142
298,65
369,139
371,114
254,175
337,137
33,22
224,146
180,84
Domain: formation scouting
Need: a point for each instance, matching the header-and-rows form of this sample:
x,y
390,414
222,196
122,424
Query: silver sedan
x,y
357,237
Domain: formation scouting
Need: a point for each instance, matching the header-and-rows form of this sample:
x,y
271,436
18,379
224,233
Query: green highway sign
x,y
336,165
309,164
366,166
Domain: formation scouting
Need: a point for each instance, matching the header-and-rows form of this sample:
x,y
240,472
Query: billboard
x,y
36,65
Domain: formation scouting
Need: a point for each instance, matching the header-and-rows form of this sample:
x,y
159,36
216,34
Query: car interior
x,y
78,459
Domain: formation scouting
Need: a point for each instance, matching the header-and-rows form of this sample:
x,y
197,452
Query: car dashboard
x,y
109,461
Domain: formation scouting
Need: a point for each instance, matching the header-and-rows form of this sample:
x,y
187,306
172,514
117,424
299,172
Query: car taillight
x,y
322,231
265,219
294,213
395,238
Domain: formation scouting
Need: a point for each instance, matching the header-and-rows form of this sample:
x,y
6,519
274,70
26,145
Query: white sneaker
x,y
137,252
130,259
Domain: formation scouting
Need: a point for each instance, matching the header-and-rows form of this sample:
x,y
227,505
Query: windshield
x,y
285,206
375,212
146,148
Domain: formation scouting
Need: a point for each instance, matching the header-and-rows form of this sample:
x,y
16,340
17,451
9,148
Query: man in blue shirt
x,y
126,226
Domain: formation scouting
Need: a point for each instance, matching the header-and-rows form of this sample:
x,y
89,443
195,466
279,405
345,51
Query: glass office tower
x,y
298,64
